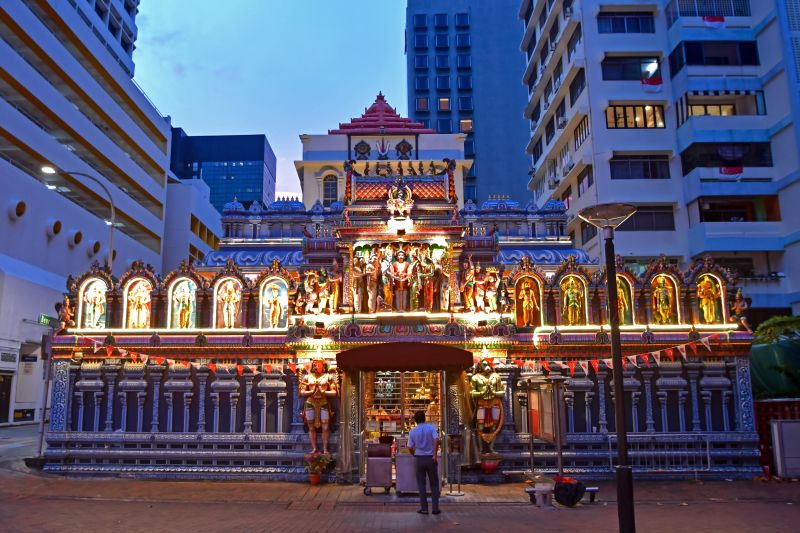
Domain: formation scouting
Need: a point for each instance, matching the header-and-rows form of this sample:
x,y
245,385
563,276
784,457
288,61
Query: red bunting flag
x,y
682,351
267,368
624,363
705,343
656,357
571,366
253,368
212,367
595,364
546,366
134,356
519,362
144,357
693,346
584,366
239,369
109,350
158,360
86,341
645,359
670,353
292,368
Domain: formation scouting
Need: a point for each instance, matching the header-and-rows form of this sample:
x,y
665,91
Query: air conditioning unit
x,y
567,12
561,123
553,182
553,47
542,68
566,168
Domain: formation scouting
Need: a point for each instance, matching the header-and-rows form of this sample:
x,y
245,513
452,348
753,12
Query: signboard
x,y
390,427
543,411
29,358
8,357
47,320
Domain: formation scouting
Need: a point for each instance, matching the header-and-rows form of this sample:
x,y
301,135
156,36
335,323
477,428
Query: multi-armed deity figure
x,y
183,303
319,387
139,306
530,303
487,392
95,301
229,299
573,303
275,306
708,295
662,301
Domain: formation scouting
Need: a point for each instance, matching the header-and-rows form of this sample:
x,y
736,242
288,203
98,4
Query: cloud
x,y
179,70
163,39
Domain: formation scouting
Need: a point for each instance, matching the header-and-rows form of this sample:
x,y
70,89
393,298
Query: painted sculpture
x,y
572,311
487,392
318,387
94,305
663,300
708,296
183,302
229,298
527,303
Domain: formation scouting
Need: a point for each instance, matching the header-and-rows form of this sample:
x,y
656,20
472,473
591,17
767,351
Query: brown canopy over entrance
x,y
404,356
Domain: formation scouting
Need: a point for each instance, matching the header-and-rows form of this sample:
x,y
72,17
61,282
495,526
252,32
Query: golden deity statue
x,y
229,298
275,306
139,305
527,314
183,300
573,302
318,387
663,301
708,295
623,302
487,392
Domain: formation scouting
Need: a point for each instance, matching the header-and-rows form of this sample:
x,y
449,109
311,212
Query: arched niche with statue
x,y
708,285
527,286
274,300
137,301
186,291
93,303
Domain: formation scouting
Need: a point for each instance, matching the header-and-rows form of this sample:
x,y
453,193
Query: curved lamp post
x,y
607,217
113,220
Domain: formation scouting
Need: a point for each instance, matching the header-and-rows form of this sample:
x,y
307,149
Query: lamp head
x,y
47,169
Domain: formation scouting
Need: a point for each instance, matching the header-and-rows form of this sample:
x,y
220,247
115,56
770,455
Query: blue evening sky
x,y
279,67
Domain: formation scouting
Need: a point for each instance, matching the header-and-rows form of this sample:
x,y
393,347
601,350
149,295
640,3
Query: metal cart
x,y
379,467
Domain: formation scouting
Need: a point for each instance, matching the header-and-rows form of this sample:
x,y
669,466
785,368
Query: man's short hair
x,y
419,417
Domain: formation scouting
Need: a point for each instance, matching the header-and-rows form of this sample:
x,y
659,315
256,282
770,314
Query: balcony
x,y
714,181
737,128
567,27
735,236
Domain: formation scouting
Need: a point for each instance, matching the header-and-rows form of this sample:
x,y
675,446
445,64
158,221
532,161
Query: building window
x,y
464,61
442,61
420,20
465,125
443,83
716,110
330,190
444,104
443,125
625,23
465,103
739,209
550,130
581,132
537,150
706,8
574,41
576,86
465,83
462,40
426,123
588,232
639,167
726,155
713,53
650,218
469,148
617,68
585,180
421,41
462,20
634,116
421,83
442,41
471,192
566,197
440,20
422,104
420,61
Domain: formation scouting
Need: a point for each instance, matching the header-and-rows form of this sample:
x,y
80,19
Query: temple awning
x,y
404,356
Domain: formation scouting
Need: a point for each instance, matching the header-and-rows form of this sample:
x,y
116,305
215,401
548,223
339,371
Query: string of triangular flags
x,y
647,359
136,356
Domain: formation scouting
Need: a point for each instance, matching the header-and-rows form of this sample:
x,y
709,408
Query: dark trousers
x,y
425,467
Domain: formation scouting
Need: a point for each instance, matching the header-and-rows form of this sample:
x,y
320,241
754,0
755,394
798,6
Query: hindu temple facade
x,y
385,295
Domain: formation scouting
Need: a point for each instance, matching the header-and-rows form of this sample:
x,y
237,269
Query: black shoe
x,y
421,511
436,512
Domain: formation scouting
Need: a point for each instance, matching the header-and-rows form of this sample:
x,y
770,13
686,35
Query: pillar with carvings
x,y
110,371
156,372
693,372
647,379
132,382
601,400
177,385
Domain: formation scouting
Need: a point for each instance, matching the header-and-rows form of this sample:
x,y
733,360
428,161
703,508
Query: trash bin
x,y
379,467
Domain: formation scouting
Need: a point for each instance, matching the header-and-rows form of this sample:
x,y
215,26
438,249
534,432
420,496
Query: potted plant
x,y
316,463
568,491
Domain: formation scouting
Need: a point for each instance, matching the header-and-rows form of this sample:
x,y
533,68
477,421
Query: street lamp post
x,y
112,222
607,217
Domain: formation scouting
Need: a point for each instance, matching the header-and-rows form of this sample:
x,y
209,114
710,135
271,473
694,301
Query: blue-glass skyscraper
x,y
464,75
240,166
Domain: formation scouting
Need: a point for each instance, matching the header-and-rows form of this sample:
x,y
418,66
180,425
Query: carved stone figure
x,y
427,272
357,280
663,301
65,314
318,387
182,299
491,286
573,303
739,311
708,296
335,282
487,392
372,275
527,303
229,297
444,285
310,290
623,302
479,293
467,286
94,300
400,272
273,294
139,305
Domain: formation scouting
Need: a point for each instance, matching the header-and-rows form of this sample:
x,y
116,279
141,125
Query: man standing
x,y
423,442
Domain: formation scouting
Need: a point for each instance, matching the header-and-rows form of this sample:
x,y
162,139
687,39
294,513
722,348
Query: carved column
x,y
178,385
155,378
671,380
60,419
132,382
601,397
90,383
123,411
273,385
168,398
187,404
215,411
693,371
73,375
297,422
98,402
233,398
140,399
649,421
281,412
522,400
262,402
202,377
508,373
248,403
79,397
110,375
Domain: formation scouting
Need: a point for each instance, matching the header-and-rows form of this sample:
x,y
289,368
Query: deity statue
x,y
444,285
65,314
708,295
400,272
400,202
662,301
491,291
738,311
94,299
480,289
182,299
139,305
323,290
487,392
467,286
623,303
318,387
335,282
528,306
229,297
573,303
310,289
358,272
386,279
275,306
427,273
372,274
414,283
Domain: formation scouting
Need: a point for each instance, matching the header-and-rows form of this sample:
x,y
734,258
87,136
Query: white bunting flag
x,y
704,342
656,357
609,363
144,357
584,366
632,360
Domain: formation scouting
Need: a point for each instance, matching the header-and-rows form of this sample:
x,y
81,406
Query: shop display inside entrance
x,y
392,398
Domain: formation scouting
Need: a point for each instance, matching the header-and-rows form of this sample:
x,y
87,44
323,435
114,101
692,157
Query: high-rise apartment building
x,y
233,166
67,102
463,76
685,109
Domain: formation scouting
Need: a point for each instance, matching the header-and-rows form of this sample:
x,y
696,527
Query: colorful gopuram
x,y
326,324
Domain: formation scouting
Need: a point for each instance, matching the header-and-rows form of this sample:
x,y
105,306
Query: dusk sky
x,y
270,66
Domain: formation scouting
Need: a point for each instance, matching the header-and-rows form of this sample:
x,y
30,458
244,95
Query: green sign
x,y
47,320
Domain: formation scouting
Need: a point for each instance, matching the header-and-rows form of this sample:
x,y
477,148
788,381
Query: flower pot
x,y
488,466
569,494
313,478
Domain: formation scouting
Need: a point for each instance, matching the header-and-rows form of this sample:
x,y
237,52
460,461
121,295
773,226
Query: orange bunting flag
x,y
267,368
158,360
109,350
134,356
571,366
546,366
292,368
596,365
645,359
669,352
519,362
584,366
239,369
212,367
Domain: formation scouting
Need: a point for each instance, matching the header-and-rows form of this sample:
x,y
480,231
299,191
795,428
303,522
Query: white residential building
x,y
685,109
67,101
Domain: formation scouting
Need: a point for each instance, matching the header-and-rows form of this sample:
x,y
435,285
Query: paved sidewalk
x,y
18,441
31,501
